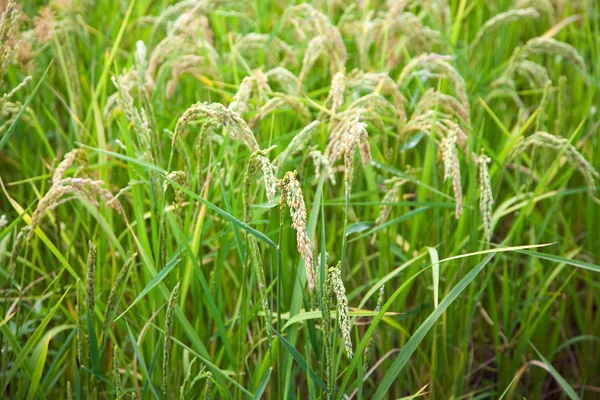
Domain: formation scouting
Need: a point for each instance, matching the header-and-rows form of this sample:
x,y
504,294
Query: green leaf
x,y
138,355
359,227
263,385
561,381
39,368
155,281
33,340
559,259
163,174
411,345
300,360
435,269
401,218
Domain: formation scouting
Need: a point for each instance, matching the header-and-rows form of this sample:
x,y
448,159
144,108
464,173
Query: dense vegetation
x,y
232,199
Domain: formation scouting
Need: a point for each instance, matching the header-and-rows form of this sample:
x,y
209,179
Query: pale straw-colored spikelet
x,y
137,118
542,6
184,55
297,144
168,333
436,65
322,166
452,169
69,391
409,26
8,28
280,101
141,62
381,83
90,281
368,352
344,140
126,83
113,295
259,162
287,81
10,109
564,147
336,93
486,199
262,285
535,74
180,178
551,46
217,115
433,99
292,196
503,19
326,38
256,82
275,50
338,288
68,189
391,196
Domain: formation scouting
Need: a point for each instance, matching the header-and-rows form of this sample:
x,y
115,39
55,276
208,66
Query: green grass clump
x,y
178,179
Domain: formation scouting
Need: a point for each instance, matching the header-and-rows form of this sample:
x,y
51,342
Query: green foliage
x,y
442,155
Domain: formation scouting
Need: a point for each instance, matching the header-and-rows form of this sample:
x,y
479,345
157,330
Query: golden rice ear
x,y
441,65
298,143
293,198
337,285
452,169
215,115
257,163
564,147
180,178
551,46
503,19
287,81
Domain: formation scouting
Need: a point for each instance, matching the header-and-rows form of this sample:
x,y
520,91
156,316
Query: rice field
x,y
333,199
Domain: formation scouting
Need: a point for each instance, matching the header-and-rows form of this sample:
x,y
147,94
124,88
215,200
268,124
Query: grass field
x,y
284,200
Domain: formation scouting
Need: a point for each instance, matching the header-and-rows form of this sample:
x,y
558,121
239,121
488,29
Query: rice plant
x,y
299,200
